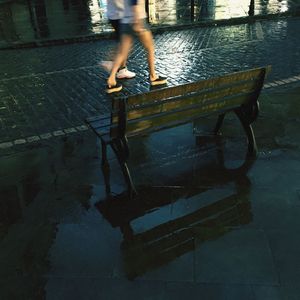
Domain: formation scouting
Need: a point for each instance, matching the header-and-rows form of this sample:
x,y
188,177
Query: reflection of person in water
x,y
115,12
134,23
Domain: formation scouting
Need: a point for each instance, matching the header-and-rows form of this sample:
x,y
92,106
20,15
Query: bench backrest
x,y
171,106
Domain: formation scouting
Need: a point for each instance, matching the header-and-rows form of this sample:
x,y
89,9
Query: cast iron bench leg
x,y
127,231
219,123
252,147
124,142
118,147
105,166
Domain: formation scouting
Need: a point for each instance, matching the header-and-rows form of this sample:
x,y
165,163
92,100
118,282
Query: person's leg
x,y
123,72
146,39
124,48
116,24
107,64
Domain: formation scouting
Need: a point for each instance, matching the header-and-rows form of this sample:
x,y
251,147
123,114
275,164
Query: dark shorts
x,y
128,28
116,25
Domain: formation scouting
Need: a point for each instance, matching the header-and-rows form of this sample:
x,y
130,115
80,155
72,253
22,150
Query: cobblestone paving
x,y
49,91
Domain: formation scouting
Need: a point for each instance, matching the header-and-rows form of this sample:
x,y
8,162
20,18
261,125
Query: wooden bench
x,y
141,114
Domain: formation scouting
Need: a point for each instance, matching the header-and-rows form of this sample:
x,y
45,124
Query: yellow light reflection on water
x,y
98,14
172,11
162,10
231,8
284,6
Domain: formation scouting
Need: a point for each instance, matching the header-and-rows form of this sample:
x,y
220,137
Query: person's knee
x,y
147,41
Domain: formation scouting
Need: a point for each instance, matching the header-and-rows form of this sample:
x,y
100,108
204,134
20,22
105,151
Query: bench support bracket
x,y
219,124
120,147
252,147
105,166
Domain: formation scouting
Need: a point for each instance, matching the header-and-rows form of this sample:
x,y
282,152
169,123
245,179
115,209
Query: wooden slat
x,y
100,131
195,86
184,102
140,111
223,82
166,120
96,118
98,122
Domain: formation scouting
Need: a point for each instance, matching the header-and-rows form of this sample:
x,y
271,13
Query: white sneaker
x,y
107,65
125,73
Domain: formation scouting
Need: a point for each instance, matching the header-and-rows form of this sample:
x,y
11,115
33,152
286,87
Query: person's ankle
x,y
153,77
111,82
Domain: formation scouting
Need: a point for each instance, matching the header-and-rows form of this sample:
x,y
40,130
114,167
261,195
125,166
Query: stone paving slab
x,y
248,259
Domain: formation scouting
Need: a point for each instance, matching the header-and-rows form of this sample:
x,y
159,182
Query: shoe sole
x,y
114,90
161,82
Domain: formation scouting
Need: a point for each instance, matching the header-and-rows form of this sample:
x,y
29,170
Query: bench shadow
x,y
153,248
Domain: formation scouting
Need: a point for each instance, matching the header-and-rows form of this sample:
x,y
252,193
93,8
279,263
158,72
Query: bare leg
x,y
116,24
121,57
146,39
113,56
123,64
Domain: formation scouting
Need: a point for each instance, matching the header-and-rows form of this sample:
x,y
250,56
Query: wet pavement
x,y
36,22
207,221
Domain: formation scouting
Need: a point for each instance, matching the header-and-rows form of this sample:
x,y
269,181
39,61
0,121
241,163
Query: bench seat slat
x,y
98,121
171,119
192,87
101,131
100,125
97,118
183,103
206,90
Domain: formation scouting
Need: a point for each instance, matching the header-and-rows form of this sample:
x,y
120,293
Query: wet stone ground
x,y
206,219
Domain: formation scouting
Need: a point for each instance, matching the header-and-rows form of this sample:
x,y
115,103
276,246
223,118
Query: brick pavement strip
x,y
47,92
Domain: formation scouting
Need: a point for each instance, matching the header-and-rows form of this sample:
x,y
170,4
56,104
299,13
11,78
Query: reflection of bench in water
x,y
163,243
